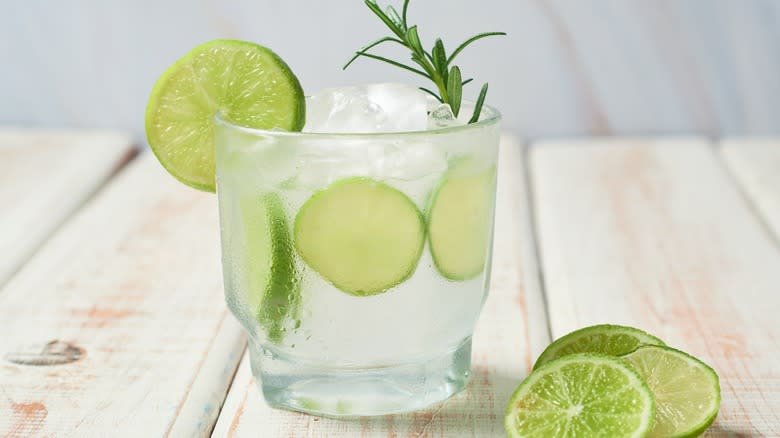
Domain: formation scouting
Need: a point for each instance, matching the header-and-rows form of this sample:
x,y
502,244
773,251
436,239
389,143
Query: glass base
x,y
349,392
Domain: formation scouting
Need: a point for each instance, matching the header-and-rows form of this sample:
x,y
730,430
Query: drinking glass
x,y
358,263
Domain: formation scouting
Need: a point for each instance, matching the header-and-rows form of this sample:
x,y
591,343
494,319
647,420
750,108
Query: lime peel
x,y
614,340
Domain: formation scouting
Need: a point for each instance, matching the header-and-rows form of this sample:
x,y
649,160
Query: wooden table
x,y
113,322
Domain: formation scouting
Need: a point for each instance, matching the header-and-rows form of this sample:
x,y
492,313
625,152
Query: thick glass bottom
x,y
347,392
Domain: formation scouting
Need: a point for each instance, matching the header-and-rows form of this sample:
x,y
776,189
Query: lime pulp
x,y
581,395
245,83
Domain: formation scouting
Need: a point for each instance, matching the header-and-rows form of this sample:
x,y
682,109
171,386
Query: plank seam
x,y
752,206
534,236
199,369
210,432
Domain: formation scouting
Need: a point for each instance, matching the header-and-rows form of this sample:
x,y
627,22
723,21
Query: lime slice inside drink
x,y
246,83
581,395
614,340
273,290
459,221
361,235
686,390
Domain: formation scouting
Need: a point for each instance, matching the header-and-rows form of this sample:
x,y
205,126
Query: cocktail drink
x,y
358,261
356,223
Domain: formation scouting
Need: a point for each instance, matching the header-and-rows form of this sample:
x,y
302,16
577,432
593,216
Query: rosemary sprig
x,y
435,64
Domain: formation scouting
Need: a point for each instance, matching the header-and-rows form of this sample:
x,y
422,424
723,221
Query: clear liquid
x,y
340,337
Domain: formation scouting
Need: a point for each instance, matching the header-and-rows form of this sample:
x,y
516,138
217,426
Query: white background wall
x,y
568,66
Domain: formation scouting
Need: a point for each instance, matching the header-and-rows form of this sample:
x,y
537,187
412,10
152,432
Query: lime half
x,y
614,340
582,395
247,83
686,390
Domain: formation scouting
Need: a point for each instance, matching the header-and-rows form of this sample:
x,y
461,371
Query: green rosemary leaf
x,y
471,40
413,40
403,13
455,89
371,46
392,14
378,12
432,94
478,105
395,63
439,56
467,81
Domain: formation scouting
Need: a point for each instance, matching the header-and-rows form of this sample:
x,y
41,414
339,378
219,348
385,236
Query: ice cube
x,y
405,106
442,117
410,161
385,107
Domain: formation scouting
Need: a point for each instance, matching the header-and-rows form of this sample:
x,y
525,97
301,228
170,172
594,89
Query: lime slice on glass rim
x,y
245,82
581,395
687,391
614,340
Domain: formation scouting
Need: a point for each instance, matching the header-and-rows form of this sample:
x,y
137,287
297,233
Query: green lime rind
x,y
687,391
361,235
581,395
273,289
460,219
614,340
282,297
246,83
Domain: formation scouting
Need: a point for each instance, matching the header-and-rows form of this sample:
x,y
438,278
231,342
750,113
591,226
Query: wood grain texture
x,y
117,326
566,67
511,332
755,163
44,177
655,234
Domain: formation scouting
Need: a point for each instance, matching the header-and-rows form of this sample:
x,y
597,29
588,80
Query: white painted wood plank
x,y
44,177
755,163
654,234
131,287
511,332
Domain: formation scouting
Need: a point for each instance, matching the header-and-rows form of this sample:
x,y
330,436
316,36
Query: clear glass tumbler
x,y
358,263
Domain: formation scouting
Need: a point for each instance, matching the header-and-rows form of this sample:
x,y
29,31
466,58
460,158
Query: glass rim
x,y
493,116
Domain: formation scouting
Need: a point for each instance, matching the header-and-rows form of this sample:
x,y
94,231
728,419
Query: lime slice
x,y
582,395
361,235
273,291
249,84
614,340
686,390
460,219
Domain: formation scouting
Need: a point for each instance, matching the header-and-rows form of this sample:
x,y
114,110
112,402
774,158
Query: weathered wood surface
x,y
755,164
117,326
45,177
511,332
655,234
